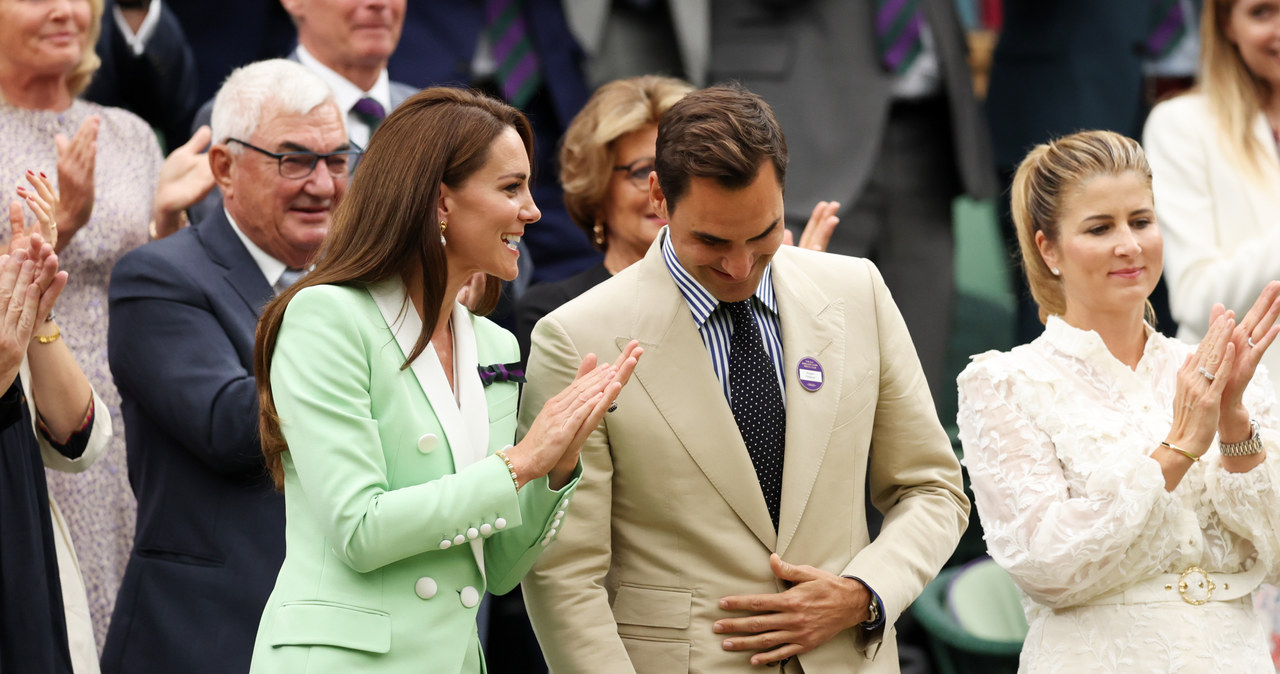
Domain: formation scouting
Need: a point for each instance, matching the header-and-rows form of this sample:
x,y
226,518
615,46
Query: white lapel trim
x,y
466,444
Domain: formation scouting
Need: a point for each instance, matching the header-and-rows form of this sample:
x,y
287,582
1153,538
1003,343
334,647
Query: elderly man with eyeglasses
x,y
183,310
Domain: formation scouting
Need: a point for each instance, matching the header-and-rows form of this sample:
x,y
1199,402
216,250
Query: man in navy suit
x,y
210,535
348,46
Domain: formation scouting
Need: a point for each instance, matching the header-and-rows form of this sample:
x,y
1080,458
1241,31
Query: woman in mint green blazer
x,y
388,411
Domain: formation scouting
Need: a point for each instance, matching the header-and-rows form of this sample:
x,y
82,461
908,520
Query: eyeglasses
x,y
299,165
638,172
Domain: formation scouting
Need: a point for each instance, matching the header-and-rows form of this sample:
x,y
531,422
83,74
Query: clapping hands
x,y
29,282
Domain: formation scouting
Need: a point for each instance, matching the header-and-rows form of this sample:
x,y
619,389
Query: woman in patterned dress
x,y
1128,482
106,163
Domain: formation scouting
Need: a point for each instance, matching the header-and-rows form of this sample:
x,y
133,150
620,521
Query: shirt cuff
x,y
879,621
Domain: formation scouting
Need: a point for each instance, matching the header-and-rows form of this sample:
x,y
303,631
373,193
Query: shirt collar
x,y
344,92
1087,345
701,302
272,269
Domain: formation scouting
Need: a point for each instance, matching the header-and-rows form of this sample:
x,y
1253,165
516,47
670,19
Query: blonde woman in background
x,y
1216,170
1127,481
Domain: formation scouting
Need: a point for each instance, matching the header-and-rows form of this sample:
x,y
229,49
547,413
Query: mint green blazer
x,y
398,515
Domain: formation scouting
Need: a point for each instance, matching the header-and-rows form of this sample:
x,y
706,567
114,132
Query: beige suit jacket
x,y
669,516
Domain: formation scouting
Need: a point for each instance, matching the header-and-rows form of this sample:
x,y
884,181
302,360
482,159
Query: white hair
x,y
284,86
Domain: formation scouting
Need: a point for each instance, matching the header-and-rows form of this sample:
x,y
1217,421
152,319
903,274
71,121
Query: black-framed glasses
x,y
637,172
299,165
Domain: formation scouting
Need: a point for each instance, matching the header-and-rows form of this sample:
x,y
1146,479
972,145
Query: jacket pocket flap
x,y
316,623
652,607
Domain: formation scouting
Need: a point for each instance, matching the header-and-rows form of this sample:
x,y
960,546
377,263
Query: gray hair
x,y
285,86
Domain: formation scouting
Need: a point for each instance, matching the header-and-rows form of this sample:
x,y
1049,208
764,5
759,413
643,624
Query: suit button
x,y
428,443
473,533
444,545
560,514
425,587
556,524
469,596
459,539
552,532
486,529
500,523
546,541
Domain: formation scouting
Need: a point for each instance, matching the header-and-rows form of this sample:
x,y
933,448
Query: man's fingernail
x,y
728,643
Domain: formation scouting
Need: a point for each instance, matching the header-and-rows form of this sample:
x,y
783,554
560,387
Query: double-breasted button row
x,y
426,588
485,529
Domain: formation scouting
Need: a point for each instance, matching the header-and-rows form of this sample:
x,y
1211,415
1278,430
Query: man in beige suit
x,y
776,383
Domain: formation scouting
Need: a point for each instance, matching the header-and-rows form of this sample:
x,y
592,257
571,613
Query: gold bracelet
x,y
1180,450
511,468
49,339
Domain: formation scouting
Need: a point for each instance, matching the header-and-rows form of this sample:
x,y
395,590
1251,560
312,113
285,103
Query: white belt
x,y
1194,586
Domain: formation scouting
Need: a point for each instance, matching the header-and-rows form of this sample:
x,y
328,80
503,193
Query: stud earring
x,y
443,225
598,231
1055,271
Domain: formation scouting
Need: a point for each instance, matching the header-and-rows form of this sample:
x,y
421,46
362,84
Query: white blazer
x,y
1221,228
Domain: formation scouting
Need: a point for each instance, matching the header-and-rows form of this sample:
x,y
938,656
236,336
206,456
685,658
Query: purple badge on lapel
x,y
810,374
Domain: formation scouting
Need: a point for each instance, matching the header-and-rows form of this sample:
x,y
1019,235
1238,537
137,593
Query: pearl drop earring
x,y
443,225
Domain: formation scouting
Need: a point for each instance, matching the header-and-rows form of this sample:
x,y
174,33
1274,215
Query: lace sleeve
x,y
1064,541
1249,503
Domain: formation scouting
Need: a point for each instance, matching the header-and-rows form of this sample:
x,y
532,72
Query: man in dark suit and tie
x,y
210,534
348,48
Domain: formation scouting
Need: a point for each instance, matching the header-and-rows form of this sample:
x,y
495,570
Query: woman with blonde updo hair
x,y
1127,481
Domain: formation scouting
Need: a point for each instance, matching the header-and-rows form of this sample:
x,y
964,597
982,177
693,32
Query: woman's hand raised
x,y
1251,338
552,444
1197,400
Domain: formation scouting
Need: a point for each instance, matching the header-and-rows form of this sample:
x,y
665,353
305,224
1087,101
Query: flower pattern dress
x,y
1057,435
98,503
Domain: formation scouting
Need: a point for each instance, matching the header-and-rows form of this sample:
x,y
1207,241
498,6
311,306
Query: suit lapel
x,y
676,373
467,433
406,326
812,327
226,250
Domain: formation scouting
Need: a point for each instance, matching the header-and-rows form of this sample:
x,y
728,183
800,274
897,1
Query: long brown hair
x,y
386,226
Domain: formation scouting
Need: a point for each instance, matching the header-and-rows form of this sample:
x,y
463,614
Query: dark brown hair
x,y
721,132
386,226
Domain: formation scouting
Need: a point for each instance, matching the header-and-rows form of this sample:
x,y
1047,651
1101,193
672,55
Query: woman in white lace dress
x,y
1128,482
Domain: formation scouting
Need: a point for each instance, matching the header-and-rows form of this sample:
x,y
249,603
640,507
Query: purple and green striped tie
x,y
1168,25
898,26
519,74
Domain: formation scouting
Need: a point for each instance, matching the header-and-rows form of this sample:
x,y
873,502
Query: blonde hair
x,y
586,154
1234,93
1048,175
78,78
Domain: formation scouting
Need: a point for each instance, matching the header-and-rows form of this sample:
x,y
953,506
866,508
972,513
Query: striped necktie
x,y
898,26
519,73
1168,25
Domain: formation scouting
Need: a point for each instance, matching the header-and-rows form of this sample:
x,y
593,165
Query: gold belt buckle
x,y
1187,582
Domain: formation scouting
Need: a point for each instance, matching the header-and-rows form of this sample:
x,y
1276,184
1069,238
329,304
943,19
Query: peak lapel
x,y
676,374
812,327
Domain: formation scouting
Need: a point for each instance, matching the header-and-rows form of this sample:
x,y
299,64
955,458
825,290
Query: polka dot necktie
x,y
756,401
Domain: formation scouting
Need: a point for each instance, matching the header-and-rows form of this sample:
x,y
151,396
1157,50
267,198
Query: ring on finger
x,y
1252,344
1207,374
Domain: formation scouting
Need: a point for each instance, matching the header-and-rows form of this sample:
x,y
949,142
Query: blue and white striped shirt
x,y
714,324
